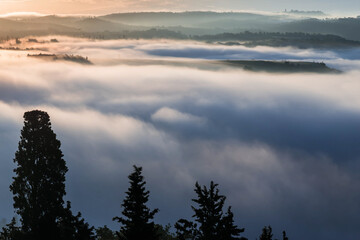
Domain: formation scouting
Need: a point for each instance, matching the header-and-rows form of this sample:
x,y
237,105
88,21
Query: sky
x,y
282,147
110,6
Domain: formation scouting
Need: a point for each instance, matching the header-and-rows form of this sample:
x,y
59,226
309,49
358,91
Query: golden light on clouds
x,y
113,6
60,6
105,6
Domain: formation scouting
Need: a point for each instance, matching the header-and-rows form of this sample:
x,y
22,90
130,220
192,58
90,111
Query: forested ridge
x,y
274,30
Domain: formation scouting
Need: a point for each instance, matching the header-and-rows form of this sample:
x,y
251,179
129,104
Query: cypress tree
x,y
136,225
11,231
74,227
38,186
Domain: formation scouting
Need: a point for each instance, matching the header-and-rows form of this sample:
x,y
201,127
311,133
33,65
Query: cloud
x,y
283,147
170,115
259,181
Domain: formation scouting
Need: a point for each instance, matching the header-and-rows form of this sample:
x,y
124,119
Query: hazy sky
x,y
109,6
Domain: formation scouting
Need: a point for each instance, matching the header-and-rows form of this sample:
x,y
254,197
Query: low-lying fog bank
x,y
283,147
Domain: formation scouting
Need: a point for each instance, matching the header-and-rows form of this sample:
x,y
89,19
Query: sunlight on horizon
x,y
98,7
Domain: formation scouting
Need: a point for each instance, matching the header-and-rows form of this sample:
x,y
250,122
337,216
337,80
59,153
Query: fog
x,y
283,147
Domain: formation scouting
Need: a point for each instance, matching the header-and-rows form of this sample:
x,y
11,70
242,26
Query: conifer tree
x,y
136,225
105,233
266,233
230,230
38,186
284,236
11,231
74,227
209,211
213,223
186,230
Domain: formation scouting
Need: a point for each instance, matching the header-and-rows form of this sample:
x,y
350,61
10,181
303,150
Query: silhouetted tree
x,y
74,227
164,233
105,233
213,223
186,230
39,185
229,228
284,236
266,233
11,231
136,225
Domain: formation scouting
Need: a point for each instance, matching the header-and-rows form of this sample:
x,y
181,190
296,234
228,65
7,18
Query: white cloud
x,y
170,115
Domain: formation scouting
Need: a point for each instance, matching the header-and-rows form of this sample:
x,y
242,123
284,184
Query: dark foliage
x,y
284,236
11,231
266,233
213,223
105,233
186,230
229,228
163,232
136,224
74,227
39,186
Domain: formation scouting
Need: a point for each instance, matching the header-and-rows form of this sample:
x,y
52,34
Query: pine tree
x,y
38,186
209,211
229,228
186,230
284,236
136,225
213,223
164,232
266,233
105,233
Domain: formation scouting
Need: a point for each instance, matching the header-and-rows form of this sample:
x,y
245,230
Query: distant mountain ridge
x,y
183,25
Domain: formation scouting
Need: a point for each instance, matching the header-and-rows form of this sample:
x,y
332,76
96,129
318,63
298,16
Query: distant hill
x,y
299,40
54,19
96,24
193,19
281,66
13,28
344,27
186,25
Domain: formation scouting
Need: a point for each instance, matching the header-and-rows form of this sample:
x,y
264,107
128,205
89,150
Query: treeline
x,y
65,57
343,27
247,38
279,39
186,23
39,188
